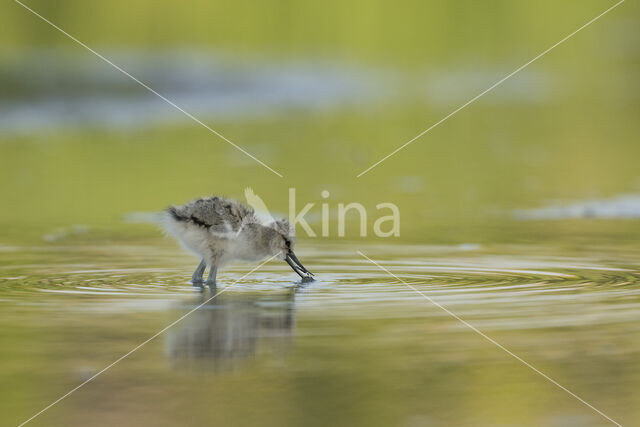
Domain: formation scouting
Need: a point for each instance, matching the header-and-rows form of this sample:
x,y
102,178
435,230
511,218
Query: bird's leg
x,y
211,280
196,279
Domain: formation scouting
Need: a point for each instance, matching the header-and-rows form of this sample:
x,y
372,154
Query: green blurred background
x,y
346,83
320,91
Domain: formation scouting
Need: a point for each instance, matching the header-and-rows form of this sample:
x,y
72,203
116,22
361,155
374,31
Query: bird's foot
x,y
212,285
198,284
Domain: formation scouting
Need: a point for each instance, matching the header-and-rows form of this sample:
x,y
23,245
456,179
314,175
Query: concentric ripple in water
x,y
514,290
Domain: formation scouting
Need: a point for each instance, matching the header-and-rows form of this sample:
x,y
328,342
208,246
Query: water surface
x,y
355,347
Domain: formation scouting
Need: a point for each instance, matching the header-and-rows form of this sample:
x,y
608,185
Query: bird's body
x,y
221,230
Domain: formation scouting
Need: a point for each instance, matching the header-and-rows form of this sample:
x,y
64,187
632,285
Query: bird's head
x,y
284,241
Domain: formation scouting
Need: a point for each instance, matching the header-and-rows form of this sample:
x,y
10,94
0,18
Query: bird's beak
x,y
297,266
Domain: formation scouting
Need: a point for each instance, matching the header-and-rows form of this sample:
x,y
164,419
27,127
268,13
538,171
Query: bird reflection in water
x,y
232,329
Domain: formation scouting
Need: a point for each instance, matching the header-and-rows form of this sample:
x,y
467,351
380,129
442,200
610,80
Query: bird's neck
x,y
253,242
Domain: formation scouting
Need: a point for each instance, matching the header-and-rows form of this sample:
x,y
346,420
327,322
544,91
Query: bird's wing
x,y
259,207
221,217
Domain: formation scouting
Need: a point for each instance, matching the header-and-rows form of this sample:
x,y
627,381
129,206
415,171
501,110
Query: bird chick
x,y
220,230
